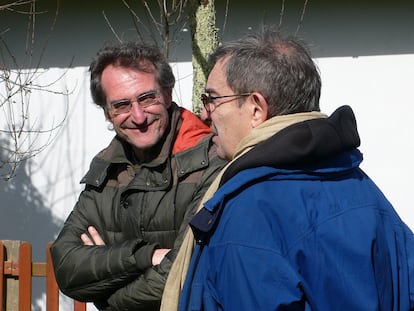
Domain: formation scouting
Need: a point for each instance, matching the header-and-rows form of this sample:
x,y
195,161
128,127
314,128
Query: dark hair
x,y
280,68
132,54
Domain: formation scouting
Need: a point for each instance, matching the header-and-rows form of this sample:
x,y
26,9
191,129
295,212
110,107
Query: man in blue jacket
x,y
294,223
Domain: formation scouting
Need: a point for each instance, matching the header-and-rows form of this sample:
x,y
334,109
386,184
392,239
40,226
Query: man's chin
x,y
220,153
142,145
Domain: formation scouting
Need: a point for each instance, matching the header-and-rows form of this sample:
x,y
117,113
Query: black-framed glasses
x,y
209,105
144,100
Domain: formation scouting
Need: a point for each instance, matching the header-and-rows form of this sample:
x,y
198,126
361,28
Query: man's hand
x,y
94,238
159,255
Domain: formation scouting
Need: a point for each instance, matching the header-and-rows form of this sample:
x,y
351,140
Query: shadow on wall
x,y
25,217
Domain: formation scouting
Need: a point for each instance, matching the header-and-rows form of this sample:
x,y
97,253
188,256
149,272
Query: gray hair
x,y
135,55
280,68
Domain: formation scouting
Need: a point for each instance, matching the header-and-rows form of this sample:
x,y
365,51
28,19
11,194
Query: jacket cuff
x,y
143,256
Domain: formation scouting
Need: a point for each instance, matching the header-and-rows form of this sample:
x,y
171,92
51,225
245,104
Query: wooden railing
x,y
16,272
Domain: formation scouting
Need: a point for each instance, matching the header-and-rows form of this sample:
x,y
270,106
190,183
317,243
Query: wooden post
x,y
79,306
25,276
16,272
52,290
2,290
11,284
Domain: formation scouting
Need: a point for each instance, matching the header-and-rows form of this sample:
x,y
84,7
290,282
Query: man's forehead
x,y
217,74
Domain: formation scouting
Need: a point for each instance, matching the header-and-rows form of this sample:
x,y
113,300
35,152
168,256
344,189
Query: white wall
x,y
378,88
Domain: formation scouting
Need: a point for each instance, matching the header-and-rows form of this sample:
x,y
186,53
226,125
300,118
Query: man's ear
x,y
167,97
107,116
259,109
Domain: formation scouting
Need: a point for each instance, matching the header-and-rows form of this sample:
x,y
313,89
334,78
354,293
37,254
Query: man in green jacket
x,y
117,245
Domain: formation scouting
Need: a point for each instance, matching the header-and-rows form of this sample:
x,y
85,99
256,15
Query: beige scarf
x,y
178,272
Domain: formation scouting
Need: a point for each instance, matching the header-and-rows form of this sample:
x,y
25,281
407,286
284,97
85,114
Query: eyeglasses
x,y
207,100
144,100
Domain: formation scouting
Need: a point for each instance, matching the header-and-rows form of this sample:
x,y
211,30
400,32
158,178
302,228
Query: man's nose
x,y
205,116
137,113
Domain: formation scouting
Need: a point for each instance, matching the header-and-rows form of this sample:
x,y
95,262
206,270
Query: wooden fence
x,y
16,272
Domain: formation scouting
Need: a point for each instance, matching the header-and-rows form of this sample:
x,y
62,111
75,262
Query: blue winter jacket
x,y
297,225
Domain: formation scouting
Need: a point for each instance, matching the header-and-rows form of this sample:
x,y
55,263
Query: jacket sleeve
x,y
410,264
92,273
146,291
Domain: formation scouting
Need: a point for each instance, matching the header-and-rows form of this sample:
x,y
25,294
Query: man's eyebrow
x,y
122,100
209,91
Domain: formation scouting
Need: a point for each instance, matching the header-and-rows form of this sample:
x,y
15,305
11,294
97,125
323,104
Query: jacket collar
x,y
119,153
301,143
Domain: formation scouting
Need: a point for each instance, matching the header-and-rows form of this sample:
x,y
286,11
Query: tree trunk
x,y
204,40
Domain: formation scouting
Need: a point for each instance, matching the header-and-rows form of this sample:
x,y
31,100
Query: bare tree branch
x,y
302,16
23,136
111,27
160,23
282,13
226,14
